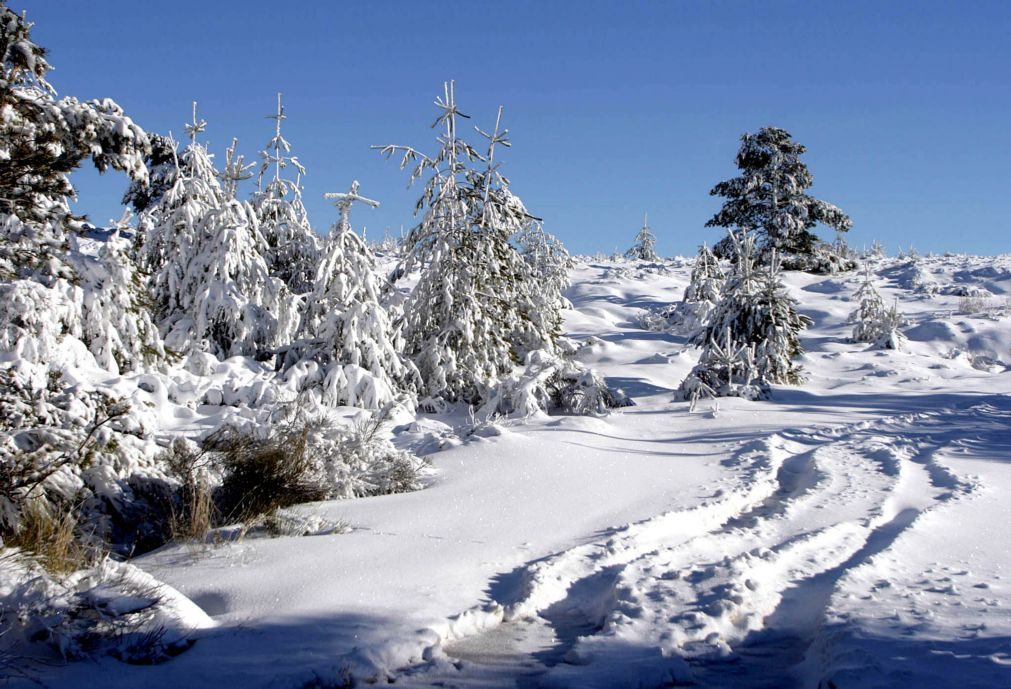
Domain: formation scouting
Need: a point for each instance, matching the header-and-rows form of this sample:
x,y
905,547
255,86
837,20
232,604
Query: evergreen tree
x,y
210,282
548,266
346,328
874,322
293,248
235,171
468,308
692,313
753,333
644,247
162,170
42,140
52,289
769,198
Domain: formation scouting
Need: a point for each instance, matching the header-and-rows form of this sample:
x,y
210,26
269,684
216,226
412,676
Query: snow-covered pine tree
x,y
874,322
777,336
548,263
690,315
42,140
235,171
769,198
345,328
210,282
118,324
468,308
644,245
293,249
755,323
162,169
51,289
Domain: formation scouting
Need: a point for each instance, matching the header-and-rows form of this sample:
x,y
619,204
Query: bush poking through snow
x,y
193,510
550,383
297,462
47,531
263,474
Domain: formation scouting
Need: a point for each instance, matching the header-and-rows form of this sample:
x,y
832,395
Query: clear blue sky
x,y
614,108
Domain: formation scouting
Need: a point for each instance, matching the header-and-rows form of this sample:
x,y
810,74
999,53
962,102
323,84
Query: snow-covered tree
x,y
691,314
52,289
235,171
874,322
42,140
769,198
210,281
548,265
162,170
345,328
469,306
777,335
644,245
725,369
755,323
293,248
118,324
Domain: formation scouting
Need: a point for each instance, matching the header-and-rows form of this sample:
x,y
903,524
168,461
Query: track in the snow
x,y
737,586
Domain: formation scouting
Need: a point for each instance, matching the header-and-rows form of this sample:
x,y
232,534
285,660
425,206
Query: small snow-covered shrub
x,y
661,319
692,313
875,323
725,369
305,461
360,461
51,437
550,383
981,303
112,609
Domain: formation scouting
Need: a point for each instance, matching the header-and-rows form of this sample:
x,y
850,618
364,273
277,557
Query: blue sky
x,y
613,108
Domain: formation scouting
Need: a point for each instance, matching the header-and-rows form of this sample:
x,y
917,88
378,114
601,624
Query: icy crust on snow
x,y
848,530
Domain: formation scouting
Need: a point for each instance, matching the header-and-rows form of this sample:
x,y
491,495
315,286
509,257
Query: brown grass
x,y
48,533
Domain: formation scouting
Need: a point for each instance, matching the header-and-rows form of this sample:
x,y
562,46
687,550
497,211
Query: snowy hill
x,y
849,532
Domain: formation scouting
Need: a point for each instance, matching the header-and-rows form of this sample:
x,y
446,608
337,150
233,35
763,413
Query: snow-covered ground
x,y
850,532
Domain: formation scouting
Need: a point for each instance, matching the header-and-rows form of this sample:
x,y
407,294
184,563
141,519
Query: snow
x,y
848,532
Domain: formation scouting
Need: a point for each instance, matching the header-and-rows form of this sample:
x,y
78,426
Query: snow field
x,y
847,530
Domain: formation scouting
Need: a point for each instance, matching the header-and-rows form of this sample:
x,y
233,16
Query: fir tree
x,y
467,312
644,246
548,266
755,324
769,198
292,247
874,322
162,170
346,329
692,313
42,140
55,290
210,281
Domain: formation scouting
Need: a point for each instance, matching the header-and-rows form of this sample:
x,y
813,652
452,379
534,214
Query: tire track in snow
x,y
736,586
